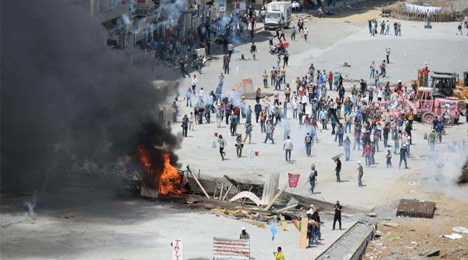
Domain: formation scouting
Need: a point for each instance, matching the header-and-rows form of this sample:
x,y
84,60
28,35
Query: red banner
x,y
293,180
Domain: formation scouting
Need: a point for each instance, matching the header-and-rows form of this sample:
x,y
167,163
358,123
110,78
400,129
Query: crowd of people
x,y
385,27
352,117
317,101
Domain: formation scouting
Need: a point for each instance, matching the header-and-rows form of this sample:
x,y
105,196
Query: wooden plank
x,y
283,223
303,237
221,191
198,182
275,198
232,181
214,193
288,207
227,192
243,201
247,195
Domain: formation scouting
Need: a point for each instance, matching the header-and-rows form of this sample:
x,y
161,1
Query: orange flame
x,y
169,177
144,157
169,181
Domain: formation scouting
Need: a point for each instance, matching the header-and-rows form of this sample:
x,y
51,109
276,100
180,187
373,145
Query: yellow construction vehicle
x,y
446,84
461,88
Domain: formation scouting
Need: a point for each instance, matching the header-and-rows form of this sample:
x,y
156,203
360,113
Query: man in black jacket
x,y
337,216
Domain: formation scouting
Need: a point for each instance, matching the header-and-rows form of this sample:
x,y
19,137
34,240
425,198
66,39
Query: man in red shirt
x,y
426,75
330,80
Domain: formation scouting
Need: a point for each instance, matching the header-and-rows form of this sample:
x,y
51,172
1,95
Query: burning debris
x,y
166,179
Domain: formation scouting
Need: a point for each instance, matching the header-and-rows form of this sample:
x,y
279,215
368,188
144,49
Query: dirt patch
x,y
352,17
414,237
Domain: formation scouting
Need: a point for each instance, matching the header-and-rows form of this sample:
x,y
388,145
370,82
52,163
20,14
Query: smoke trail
x,y
446,164
66,98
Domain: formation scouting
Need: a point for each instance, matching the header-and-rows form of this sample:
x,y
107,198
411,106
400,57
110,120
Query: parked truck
x,y
278,15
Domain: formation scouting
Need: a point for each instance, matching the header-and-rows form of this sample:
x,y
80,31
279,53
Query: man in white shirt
x,y
287,147
230,48
194,84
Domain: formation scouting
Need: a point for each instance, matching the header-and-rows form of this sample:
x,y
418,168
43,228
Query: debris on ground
x,y
453,236
416,208
460,229
433,253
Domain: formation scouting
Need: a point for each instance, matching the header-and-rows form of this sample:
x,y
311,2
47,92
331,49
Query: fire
x,y
169,177
144,157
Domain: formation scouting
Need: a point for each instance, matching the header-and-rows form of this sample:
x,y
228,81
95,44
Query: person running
x,y
288,147
337,215
313,178
222,144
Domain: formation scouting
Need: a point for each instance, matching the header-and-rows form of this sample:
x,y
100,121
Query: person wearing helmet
x,y
244,234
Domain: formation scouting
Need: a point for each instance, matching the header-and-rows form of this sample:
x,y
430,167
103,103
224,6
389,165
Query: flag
x,y
273,231
293,180
297,224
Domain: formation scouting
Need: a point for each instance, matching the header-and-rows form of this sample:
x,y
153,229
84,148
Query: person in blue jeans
x,y
403,157
323,118
389,157
347,148
308,143
287,147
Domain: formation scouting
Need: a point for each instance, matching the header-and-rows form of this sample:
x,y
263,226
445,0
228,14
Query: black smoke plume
x,y
66,98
